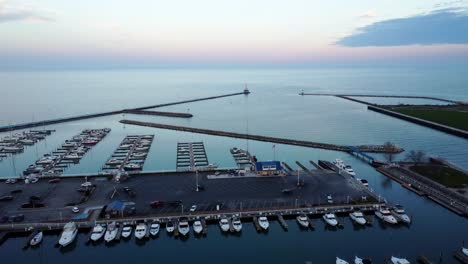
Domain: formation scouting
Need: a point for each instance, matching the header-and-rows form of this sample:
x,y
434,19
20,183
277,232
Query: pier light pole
x,y
274,151
298,183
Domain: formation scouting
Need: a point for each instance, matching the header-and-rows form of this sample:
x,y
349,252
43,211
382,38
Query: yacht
x,y
224,224
36,239
140,230
154,229
399,213
384,214
303,220
170,227
139,155
111,232
113,162
197,227
90,142
358,217
465,251
98,231
363,182
183,227
340,166
395,260
330,219
348,169
68,234
237,224
358,260
341,261
127,230
263,222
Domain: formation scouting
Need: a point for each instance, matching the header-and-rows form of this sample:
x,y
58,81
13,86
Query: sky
x,y
119,33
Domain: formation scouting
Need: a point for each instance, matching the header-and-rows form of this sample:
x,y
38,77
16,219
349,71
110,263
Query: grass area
x,y
453,118
442,174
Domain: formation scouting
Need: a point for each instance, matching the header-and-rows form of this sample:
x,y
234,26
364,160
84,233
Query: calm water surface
x,y
273,109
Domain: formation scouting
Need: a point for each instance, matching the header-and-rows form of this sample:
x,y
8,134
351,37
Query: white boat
x,y
68,234
263,222
197,227
224,224
98,232
358,260
358,217
170,227
111,232
303,220
114,162
72,156
139,155
399,213
237,224
127,231
154,229
341,261
465,251
384,214
132,166
140,230
27,141
330,219
341,167
183,227
396,260
36,239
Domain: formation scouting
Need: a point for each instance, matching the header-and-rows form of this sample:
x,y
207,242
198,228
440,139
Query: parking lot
x,y
227,194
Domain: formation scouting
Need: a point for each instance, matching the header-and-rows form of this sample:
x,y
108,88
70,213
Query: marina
x,y
15,143
70,152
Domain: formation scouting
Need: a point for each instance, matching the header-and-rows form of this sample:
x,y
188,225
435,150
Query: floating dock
x,y
310,144
70,152
131,154
191,155
242,157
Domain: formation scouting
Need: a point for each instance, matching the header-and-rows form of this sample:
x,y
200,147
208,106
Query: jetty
x,y
108,113
157,113
388,96
295,142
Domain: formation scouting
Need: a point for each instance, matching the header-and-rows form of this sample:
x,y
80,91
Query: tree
x,y
390,151
416,156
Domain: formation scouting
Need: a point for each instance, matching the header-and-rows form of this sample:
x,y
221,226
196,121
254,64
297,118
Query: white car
x,y
86,184
75,210
193,208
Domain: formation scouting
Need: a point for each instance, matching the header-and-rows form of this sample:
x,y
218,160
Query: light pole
x,y
196,179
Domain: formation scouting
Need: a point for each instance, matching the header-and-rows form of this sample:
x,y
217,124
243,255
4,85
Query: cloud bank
x,y
447,26
10,12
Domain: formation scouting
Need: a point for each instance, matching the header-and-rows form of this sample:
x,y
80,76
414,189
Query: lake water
x,y
274,108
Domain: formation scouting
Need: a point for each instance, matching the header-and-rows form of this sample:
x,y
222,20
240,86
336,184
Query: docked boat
x,y
237,224
114,162
111,232
140,230
72,156
358,260
132,167
170,227
183,227
395,260
384,214
27,141
197,227
303,220
465,251
263,222
341,261
341,167
139,155
399,213
98,232
36,239
224,224
358,217
68,234
154,229
127,231
90,142
330,219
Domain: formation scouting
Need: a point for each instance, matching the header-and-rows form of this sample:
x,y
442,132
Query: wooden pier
x,y
282,222
303,143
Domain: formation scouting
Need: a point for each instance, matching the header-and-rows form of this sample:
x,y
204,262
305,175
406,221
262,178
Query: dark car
x,y
129,191
54,180
174,203
16,218
16,191
201,187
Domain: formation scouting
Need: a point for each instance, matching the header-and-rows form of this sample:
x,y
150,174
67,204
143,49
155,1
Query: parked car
x,y
86,184
75,210
156,204
129,191
16,218
54,180
6,198
193,208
